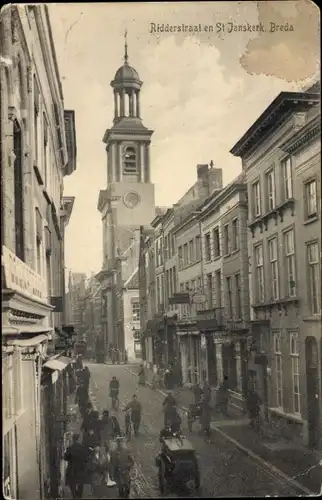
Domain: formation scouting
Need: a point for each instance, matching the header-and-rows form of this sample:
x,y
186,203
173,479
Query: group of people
x,y
100,458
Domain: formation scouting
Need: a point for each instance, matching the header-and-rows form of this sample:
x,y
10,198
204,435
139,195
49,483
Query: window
x,y
256,199
226,239
216,239
198,248
235,234
218,288
136,311
270,190
174,280
173,245
274,277
39,235
287,179
278,370
129,164
310,199
180,257
238,359
314,277
290,262
18,381
294,351
185,254
191,251
198,285
238,296
209,291
259,273
229,298
207,247
7,387
162,290
45,149
166,248
18,192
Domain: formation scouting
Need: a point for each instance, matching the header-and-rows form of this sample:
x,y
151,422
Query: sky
x,y
201,90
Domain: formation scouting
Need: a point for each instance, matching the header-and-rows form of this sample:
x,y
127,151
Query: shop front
x,y
189,345
55,392
26,331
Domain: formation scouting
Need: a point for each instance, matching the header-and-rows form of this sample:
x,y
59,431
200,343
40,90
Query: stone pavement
x,y
297,464
226,470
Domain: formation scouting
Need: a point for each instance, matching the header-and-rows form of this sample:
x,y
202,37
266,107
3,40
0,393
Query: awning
x,y
58,364
18,330
34,341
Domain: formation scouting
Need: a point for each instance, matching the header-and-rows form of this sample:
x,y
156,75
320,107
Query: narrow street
x,y
225,470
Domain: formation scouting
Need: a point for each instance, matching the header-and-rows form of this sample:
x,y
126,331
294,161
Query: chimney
x,y
202,171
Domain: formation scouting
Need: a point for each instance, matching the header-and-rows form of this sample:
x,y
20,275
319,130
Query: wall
x,y
129,323
26,437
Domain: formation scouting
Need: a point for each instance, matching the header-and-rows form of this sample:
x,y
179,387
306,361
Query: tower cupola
x,y
126,86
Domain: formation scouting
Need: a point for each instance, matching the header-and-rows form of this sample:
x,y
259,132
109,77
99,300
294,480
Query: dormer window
x,y
129,163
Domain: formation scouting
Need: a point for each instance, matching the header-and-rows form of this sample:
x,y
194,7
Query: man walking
x,y
76,457
136,410
81,399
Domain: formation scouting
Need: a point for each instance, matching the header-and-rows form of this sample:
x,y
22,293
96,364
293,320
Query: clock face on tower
x,y
131,200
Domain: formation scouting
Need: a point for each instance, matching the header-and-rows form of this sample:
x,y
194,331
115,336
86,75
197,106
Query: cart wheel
x,y
162,480
197,479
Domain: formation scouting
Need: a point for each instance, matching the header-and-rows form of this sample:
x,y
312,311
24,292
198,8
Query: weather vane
x,y
125,46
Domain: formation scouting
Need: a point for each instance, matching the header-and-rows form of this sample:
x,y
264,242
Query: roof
x,y
281,107
133,281
126,74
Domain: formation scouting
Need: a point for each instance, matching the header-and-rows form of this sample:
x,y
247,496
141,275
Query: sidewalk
x,y
300,464
297,465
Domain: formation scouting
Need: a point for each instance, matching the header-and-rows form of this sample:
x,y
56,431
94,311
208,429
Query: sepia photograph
x,y
161,249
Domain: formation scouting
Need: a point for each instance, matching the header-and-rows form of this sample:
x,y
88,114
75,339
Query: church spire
x,y
125,48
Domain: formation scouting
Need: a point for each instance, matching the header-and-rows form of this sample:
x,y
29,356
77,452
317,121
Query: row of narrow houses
x,y
229,276
38,149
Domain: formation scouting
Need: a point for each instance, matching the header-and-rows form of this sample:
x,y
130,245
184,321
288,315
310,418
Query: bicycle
x,y
128,425
115,400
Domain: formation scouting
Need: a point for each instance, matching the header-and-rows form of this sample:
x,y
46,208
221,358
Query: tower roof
x,y
126,74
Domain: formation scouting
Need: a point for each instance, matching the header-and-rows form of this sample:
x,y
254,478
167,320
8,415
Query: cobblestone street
x,y
225,470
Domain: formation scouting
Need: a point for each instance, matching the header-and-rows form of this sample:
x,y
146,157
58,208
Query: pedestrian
x,y
99,469
206,391
76,457
169,408
81,398
141,375
197,393
92,434
86,377
167,379
122,462
88,414
253,407
205,419
107,428
136,409
223,396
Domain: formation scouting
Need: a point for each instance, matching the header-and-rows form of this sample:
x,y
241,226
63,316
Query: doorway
x,y
312,390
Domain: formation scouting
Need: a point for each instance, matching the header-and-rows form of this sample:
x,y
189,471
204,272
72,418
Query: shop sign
x,y
180,298
198,298
21,278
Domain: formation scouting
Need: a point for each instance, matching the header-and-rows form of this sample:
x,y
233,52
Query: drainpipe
x,y
38,419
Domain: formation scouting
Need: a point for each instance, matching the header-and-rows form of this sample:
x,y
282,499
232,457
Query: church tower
x,y
128,202
128,157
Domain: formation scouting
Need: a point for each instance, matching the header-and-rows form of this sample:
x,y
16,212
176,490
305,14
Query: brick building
x,y
281,159
37,149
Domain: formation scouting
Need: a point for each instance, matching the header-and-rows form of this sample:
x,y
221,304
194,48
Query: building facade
x,y
281,159
127,203
35,156
225,277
